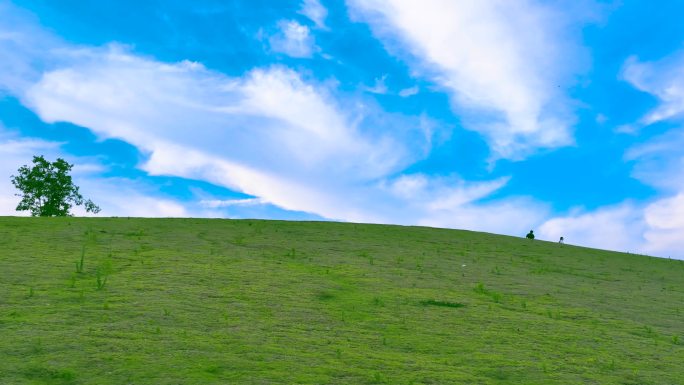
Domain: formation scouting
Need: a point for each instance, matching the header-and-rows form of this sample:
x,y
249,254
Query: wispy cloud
x,y
456,203
663,79
293,39
315,11
124,197
215,203
379,87
410,91
654,228
619,228
23,44
505,63
659,161
665,219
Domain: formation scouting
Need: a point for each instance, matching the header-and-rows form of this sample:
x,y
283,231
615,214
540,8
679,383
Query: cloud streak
x,y
503,63
315,11
663,79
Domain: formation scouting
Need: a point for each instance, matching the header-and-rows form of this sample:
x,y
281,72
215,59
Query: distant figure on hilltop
x,y
561,241
530,235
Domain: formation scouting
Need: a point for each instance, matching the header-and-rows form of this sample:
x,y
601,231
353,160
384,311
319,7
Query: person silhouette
x,y
561,241
530,235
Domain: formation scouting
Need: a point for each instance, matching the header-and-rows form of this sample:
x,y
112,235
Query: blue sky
x,y
500,116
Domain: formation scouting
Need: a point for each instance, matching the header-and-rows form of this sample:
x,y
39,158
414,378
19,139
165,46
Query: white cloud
x,y
315,11
663,79
271,109
665,219
271,187
293,39
615,228
379,87
123,197
455,203
216,203
441,193
410,91
503,61
23,43
656,228
659,161
512,216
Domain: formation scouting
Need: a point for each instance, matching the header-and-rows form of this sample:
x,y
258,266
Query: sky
x,y
561,116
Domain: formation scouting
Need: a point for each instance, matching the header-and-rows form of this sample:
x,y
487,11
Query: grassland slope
x,y
194,301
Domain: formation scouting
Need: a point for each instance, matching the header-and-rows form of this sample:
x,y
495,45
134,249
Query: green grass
x,y
193,301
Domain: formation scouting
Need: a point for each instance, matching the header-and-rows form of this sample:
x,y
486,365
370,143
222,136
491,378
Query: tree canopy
x,y
47,189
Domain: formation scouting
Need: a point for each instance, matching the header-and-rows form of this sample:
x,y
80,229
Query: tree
x,y
47,189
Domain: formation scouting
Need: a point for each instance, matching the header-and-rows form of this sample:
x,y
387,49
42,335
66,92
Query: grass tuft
x,y
495,296
239,240
480,289
325,295
101,280
433,302
79,264
213,369
50,375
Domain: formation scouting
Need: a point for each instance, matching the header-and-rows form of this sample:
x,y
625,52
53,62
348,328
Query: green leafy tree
x,y
47,189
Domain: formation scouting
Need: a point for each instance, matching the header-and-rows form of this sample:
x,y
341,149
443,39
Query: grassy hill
x,y
194,301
